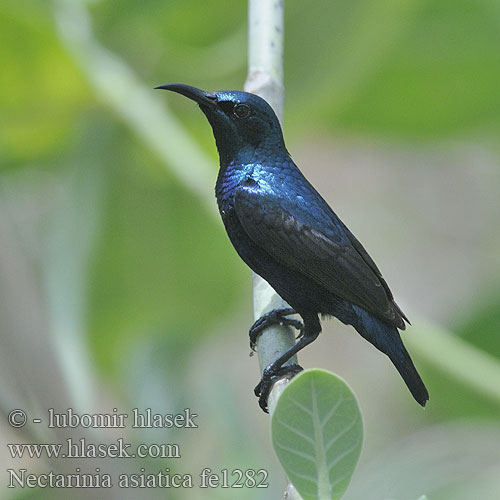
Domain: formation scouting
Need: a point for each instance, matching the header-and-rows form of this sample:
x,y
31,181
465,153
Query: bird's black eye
x,y
241,110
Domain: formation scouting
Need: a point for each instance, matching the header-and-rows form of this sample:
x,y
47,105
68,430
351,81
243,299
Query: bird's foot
x,y
270,375
274,317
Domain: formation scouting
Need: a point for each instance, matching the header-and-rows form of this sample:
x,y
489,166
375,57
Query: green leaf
x,y
317,432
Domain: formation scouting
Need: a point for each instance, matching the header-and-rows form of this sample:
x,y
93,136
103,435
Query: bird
x,y
285,231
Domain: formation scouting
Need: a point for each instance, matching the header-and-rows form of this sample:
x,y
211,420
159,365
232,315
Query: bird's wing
x,y
364,254
285,230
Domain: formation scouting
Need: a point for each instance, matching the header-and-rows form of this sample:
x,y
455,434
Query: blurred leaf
x,y
38,494
69,243
397,68
42,93
176,37
163,265
317,434
116,84
462,379
452,461
481,326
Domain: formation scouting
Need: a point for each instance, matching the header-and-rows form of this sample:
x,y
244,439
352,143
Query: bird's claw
x,y
274,317
270,375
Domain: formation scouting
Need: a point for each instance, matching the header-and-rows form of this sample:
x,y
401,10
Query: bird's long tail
x,y
386,339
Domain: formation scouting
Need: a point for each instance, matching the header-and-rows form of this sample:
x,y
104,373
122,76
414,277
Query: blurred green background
x,y
119,288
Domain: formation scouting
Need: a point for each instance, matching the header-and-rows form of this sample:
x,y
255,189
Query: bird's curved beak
x,y
197,95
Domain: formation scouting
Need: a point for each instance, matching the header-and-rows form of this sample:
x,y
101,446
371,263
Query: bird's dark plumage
x,y
286,232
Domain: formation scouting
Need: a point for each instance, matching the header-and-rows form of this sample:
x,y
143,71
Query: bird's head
x,y
242,123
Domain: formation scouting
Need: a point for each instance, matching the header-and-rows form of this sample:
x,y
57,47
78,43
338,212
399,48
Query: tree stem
x,y
265,78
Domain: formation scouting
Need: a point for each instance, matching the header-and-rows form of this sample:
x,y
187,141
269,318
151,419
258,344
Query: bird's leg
x,y
275,370
274,317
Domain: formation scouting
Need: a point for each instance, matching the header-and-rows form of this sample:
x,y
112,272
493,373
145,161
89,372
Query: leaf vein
x,y
296,431
340,434
346,452
332,411
301,406
299,453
